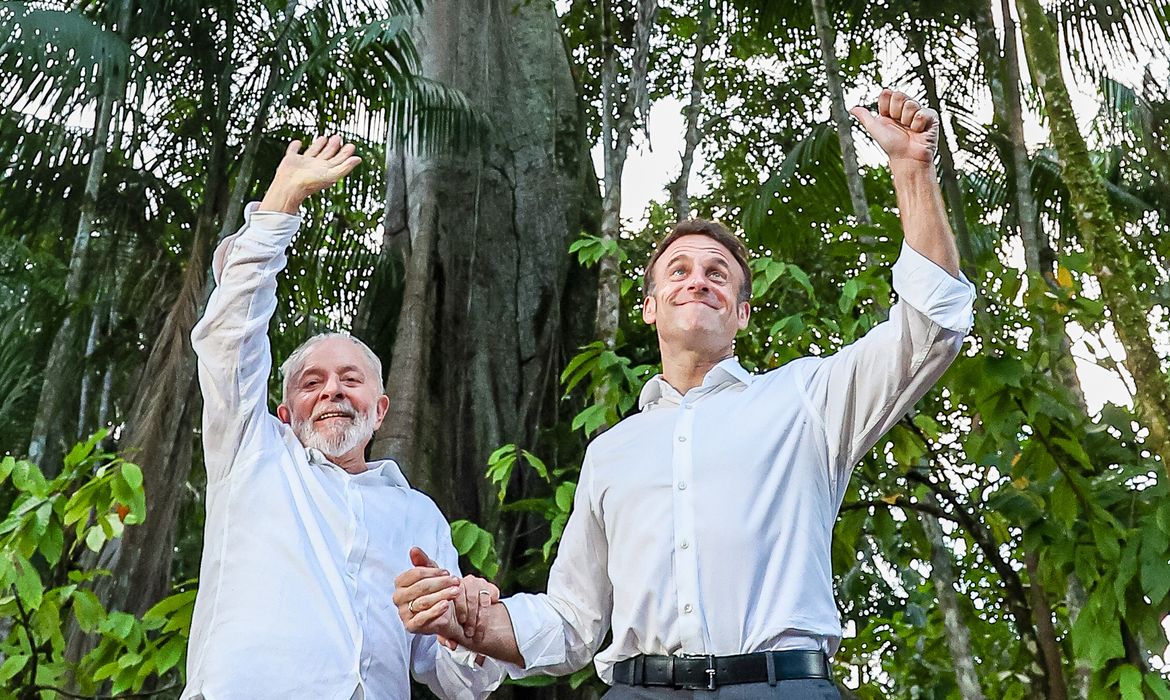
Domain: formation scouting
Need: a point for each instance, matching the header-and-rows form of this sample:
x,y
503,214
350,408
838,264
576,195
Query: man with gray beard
x,y
303,537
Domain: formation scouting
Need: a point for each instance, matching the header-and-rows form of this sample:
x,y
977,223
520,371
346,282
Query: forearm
x,y
923,214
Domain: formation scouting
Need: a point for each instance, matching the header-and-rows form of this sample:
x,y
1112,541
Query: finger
x,y
332,146
428,587
412,576
897,101
315,147
294,148
424,617
864,116
428,600
924,120
909,110
345,152
420,558
346,167
404,593
884,102
475,602
462,603
449,643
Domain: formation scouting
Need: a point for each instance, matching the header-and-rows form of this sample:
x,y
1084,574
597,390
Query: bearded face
x,y
334,402
335,430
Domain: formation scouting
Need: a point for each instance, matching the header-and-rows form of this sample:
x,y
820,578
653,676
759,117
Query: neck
x,y
353,461
684,369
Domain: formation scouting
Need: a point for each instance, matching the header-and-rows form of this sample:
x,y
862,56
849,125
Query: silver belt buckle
x,y
710,672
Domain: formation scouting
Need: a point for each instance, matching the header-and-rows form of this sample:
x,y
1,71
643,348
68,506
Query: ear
x,y
744,314
649,310
382,406
284,414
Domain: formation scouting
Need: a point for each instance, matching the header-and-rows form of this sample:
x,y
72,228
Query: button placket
x,y
686,564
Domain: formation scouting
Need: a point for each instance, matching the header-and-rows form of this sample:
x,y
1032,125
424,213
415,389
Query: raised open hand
x,y
299,175
903,128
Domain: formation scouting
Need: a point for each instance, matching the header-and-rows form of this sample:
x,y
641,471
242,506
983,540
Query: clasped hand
x,y
432,601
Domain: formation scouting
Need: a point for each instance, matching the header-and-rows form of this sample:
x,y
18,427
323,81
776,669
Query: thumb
x,y
420,558
863,115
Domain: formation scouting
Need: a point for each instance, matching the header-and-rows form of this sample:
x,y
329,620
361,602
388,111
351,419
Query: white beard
x,y
336,441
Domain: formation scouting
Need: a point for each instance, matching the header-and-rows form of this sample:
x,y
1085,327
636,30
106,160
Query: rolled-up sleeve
x,y
231,340
858,393
558,632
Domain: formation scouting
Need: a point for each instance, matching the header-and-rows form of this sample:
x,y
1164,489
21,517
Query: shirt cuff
x,y
278,226
539,632
922,284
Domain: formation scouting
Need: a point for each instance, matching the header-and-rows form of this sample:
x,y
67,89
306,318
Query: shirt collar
x,y
722,375
387,469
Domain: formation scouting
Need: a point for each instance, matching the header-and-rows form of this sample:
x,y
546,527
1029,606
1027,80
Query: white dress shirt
x,y
703,524
299,556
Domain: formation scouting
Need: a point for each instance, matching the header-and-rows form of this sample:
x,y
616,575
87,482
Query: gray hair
x,y
296,361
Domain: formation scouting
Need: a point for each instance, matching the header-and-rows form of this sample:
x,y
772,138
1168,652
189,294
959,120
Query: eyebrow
x,y
315,371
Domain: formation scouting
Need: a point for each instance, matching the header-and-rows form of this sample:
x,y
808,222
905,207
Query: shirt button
x,y
682,486
688,607
682,438
685,544
688,406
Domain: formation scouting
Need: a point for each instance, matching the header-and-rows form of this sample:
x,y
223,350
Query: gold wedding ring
x,y
410,606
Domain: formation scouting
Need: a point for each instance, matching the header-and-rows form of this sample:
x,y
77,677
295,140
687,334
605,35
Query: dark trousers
x,y
783,690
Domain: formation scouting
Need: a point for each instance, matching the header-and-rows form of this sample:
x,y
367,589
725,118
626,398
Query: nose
x,y
697,281
331,387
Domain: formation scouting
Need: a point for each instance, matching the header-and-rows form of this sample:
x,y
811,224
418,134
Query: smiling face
x,y
333,400
694,301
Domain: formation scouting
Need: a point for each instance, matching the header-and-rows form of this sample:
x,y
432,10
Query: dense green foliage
x,y
48,584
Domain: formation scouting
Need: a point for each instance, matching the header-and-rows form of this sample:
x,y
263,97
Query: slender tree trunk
x,y
827,38
620,110
159,424
680,188
46,441
1045,632
476,356
1099,232
948,172
1003,71
958,638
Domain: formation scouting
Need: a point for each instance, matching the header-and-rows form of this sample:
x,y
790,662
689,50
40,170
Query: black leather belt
x,y
710,672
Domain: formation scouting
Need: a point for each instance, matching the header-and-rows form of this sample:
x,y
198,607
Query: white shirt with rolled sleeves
x,y
299,556
703,524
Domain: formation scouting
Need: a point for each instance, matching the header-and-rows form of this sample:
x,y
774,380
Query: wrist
x,y
282,198
911,168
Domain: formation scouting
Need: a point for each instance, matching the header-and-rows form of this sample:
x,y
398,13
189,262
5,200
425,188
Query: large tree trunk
x,y
828,40
477,350
1099,232
48,431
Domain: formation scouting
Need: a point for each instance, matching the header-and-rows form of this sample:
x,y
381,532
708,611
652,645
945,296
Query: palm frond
x,y
56,57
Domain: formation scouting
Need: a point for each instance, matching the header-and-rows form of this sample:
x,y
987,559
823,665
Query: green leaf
x,y
88,610
1157,684
564,497
95,538
132,474
28,583
168,656
1064,504
12,666
1130,683
463,535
